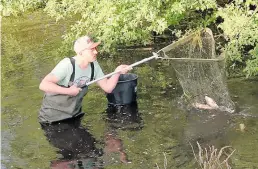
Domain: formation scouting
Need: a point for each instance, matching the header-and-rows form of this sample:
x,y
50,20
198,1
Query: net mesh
x,y
200,72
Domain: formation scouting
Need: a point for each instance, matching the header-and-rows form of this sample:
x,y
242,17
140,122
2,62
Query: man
x,y
65,86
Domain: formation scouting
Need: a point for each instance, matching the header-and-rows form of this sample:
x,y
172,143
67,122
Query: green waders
x,y
57,107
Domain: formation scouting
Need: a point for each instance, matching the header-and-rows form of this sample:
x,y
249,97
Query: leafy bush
x,y
133,22
16,7
240,30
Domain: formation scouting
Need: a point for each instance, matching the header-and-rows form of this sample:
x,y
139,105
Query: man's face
x,y
89,55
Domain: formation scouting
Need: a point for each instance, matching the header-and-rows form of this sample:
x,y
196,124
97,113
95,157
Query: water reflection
x,y
125,117
74,143
78,147
120,117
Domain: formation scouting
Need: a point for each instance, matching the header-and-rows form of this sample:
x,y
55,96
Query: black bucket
x,y
125,91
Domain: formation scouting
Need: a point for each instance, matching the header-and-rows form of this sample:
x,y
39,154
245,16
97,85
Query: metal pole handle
x,y
155,56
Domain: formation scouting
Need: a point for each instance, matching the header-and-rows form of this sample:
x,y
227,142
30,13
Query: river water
x,y
156,131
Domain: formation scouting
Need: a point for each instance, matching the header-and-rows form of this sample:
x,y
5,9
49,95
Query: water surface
x,y
160,130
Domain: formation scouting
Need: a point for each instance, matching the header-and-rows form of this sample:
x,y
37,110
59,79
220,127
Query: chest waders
x,y
57,107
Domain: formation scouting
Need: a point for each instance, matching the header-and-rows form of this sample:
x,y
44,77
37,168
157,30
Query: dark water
x,y
137,136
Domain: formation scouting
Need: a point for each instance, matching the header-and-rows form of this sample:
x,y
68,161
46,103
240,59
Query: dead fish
x,y
211,102
242,127
202,106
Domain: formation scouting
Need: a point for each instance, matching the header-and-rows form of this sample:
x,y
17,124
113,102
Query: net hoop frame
x,y
162,52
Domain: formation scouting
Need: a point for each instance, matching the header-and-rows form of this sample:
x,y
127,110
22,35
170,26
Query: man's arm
x,y
109,84
49,85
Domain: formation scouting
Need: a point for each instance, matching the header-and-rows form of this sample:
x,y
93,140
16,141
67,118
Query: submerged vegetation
x,y
131,23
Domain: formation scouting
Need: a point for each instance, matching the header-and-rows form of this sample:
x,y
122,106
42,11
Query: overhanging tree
x,y
132,22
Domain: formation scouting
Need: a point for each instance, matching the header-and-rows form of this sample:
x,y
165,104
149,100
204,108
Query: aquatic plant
x,y
211,158
165,162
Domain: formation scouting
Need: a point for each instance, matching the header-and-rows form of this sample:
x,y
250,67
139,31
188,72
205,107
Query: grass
x,y
211,158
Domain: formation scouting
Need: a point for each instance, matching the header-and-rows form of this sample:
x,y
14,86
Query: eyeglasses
x,y
92,49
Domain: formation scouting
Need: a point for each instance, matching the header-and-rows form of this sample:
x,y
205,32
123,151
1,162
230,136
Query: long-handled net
x,y
200,72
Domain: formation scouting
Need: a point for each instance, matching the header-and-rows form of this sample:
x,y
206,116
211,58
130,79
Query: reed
x,y
212,158
165,164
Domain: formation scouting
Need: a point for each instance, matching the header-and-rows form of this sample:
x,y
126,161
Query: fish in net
x,y
200,71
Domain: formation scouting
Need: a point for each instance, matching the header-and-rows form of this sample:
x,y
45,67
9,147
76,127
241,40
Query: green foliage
x,y
240,30
15,7
132,22
252,64
128,22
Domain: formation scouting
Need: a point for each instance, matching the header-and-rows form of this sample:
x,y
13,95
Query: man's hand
x,y
123,69
74,90
109,84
